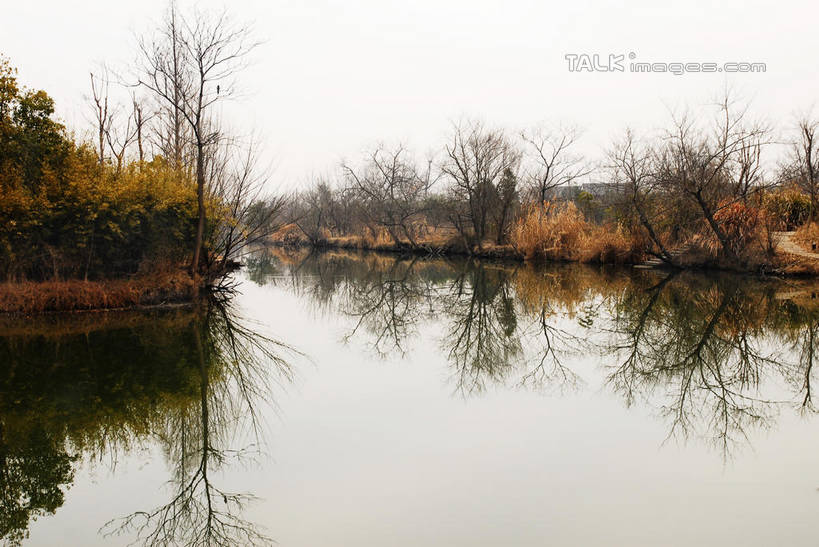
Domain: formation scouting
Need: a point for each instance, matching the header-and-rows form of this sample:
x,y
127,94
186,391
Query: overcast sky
x,y
333,77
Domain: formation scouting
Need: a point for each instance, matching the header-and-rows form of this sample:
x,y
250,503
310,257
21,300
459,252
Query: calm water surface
x,y
344,399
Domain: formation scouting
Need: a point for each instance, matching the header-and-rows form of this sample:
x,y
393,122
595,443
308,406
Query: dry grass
x,y
750,232
807,235
550,232
287,235
561,233
75,295
441,240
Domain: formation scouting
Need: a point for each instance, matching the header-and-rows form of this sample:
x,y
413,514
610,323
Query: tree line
x,y
708,180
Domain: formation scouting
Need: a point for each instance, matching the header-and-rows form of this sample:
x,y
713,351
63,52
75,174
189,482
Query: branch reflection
x,y
717,356
91,388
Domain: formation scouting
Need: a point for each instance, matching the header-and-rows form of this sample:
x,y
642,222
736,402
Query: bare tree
x,y
805,160
248,215
171,133
313,209
747,172
120,135
102,113
633,172
552,163
476,160
116,126
391,189
700,163
142,117
190,64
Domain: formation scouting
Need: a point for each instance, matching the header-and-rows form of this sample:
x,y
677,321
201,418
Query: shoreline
x,y
785,265
164,290
174,290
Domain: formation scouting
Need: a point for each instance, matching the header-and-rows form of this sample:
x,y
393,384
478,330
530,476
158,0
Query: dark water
x,y
345,399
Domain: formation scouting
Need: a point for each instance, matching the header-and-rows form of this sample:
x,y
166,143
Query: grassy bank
x,y
538,236
561,233
74,295
432,241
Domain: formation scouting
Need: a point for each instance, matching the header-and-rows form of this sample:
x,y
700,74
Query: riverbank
x,y
790,256
167,288
600,249
423,248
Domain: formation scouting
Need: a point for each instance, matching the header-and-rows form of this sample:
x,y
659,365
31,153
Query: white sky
x,y
335,77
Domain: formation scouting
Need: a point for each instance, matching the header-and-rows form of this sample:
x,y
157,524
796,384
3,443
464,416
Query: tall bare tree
x,y
100,85
190,63
142,117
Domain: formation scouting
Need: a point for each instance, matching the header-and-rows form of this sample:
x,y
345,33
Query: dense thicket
x,y
64,214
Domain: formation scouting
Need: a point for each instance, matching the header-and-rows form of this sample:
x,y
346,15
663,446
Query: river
x,y
361,399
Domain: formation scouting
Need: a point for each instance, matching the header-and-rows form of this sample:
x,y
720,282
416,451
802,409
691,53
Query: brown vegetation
x,y
807,236
435,241
560,232
75,295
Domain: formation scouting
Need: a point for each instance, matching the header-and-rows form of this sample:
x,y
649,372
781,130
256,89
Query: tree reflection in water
x,y
94,387
698,350
717,355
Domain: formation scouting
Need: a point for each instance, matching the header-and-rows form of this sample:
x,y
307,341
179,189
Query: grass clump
x,y
560,232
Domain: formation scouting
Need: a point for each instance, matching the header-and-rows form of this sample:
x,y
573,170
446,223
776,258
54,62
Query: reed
x,y
560,232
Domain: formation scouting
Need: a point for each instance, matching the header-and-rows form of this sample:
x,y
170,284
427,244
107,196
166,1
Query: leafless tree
x,y
747,171
312,210
100,86
171,134
551,161
190,63
117,126
142,117
700,163
632,169
120,136
248,214
391,189
476,160
805,160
